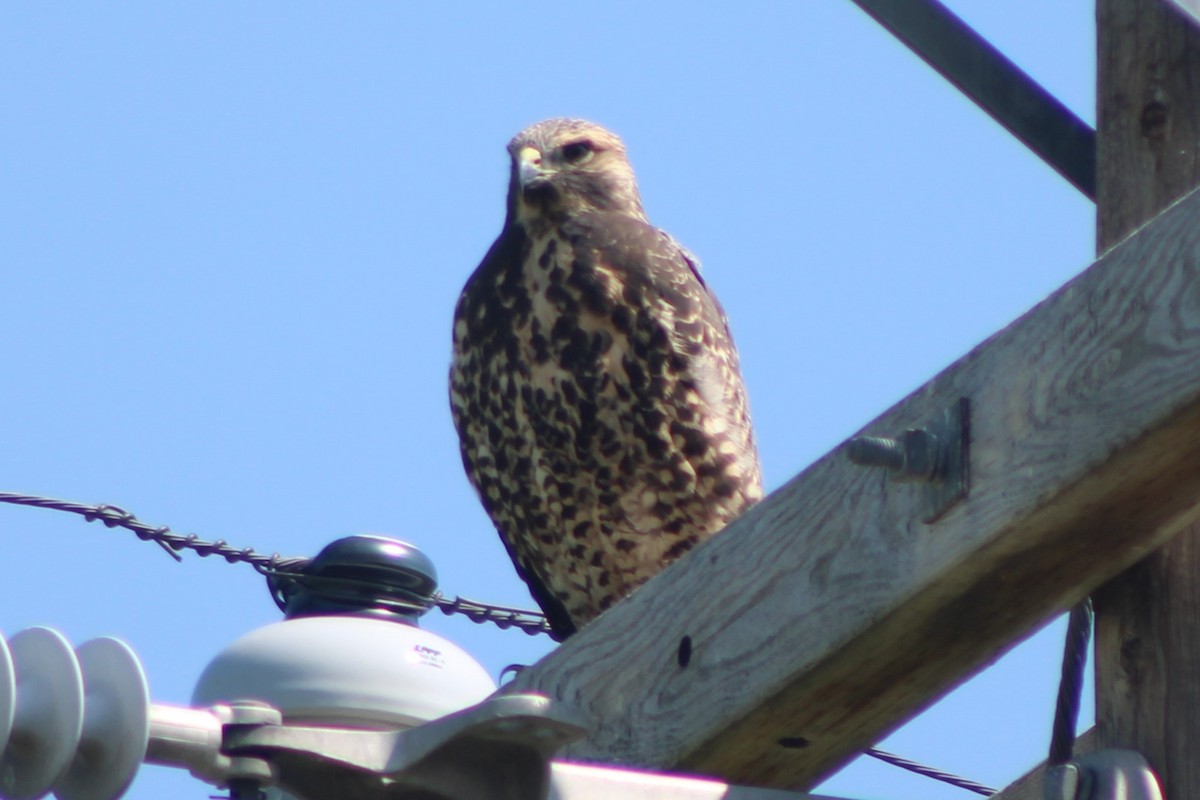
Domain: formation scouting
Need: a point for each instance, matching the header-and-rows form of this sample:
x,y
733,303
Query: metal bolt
x,y
914,456
877,451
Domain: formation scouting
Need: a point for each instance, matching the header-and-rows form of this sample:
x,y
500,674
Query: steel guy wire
x,y
503,617
930,772
1070,686
1066,712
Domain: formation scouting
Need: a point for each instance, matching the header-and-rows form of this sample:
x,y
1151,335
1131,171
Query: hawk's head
x,y
566,166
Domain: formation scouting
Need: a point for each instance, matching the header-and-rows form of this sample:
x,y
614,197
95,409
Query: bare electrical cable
x,y
531,622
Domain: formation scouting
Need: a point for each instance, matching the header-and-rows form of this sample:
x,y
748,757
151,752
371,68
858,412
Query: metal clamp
x,y
497,750
1103,775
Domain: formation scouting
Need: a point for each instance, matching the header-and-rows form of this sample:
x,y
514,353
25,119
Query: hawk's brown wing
x,y
484,345
602,418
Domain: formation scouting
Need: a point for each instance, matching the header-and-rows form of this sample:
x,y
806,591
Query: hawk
x,y
594,385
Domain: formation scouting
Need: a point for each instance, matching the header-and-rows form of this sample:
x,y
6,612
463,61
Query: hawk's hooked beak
x,y
529,166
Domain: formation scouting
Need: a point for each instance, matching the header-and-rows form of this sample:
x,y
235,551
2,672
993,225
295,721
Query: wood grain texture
x,y
828,614
1148,113
1148,150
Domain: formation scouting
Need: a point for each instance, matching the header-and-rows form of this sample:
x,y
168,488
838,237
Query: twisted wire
x,y
930,772
171,542
1070,687
1066,711
503,617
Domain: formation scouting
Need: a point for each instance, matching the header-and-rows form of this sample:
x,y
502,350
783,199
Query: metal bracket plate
x,y
951,481
497,750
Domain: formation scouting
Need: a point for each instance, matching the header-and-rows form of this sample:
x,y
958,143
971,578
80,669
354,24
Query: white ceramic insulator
x,y
355,672
47,717
115,723
73,722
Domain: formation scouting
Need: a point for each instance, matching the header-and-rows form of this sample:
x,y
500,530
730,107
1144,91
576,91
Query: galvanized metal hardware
x,y
1103,775
248,774
912,457
935,455
497,750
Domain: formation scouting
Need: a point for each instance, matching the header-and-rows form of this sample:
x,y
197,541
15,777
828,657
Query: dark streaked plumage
x,y
594,385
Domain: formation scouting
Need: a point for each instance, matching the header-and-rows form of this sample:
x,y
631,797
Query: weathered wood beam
x,y
1147,639
829,613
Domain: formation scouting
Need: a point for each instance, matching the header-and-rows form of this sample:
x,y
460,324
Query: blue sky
x,y
233,236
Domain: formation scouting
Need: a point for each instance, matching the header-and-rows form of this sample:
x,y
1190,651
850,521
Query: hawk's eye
x,y
576,152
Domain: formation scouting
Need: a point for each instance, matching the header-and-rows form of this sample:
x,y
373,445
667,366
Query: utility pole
x,y
1148,618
